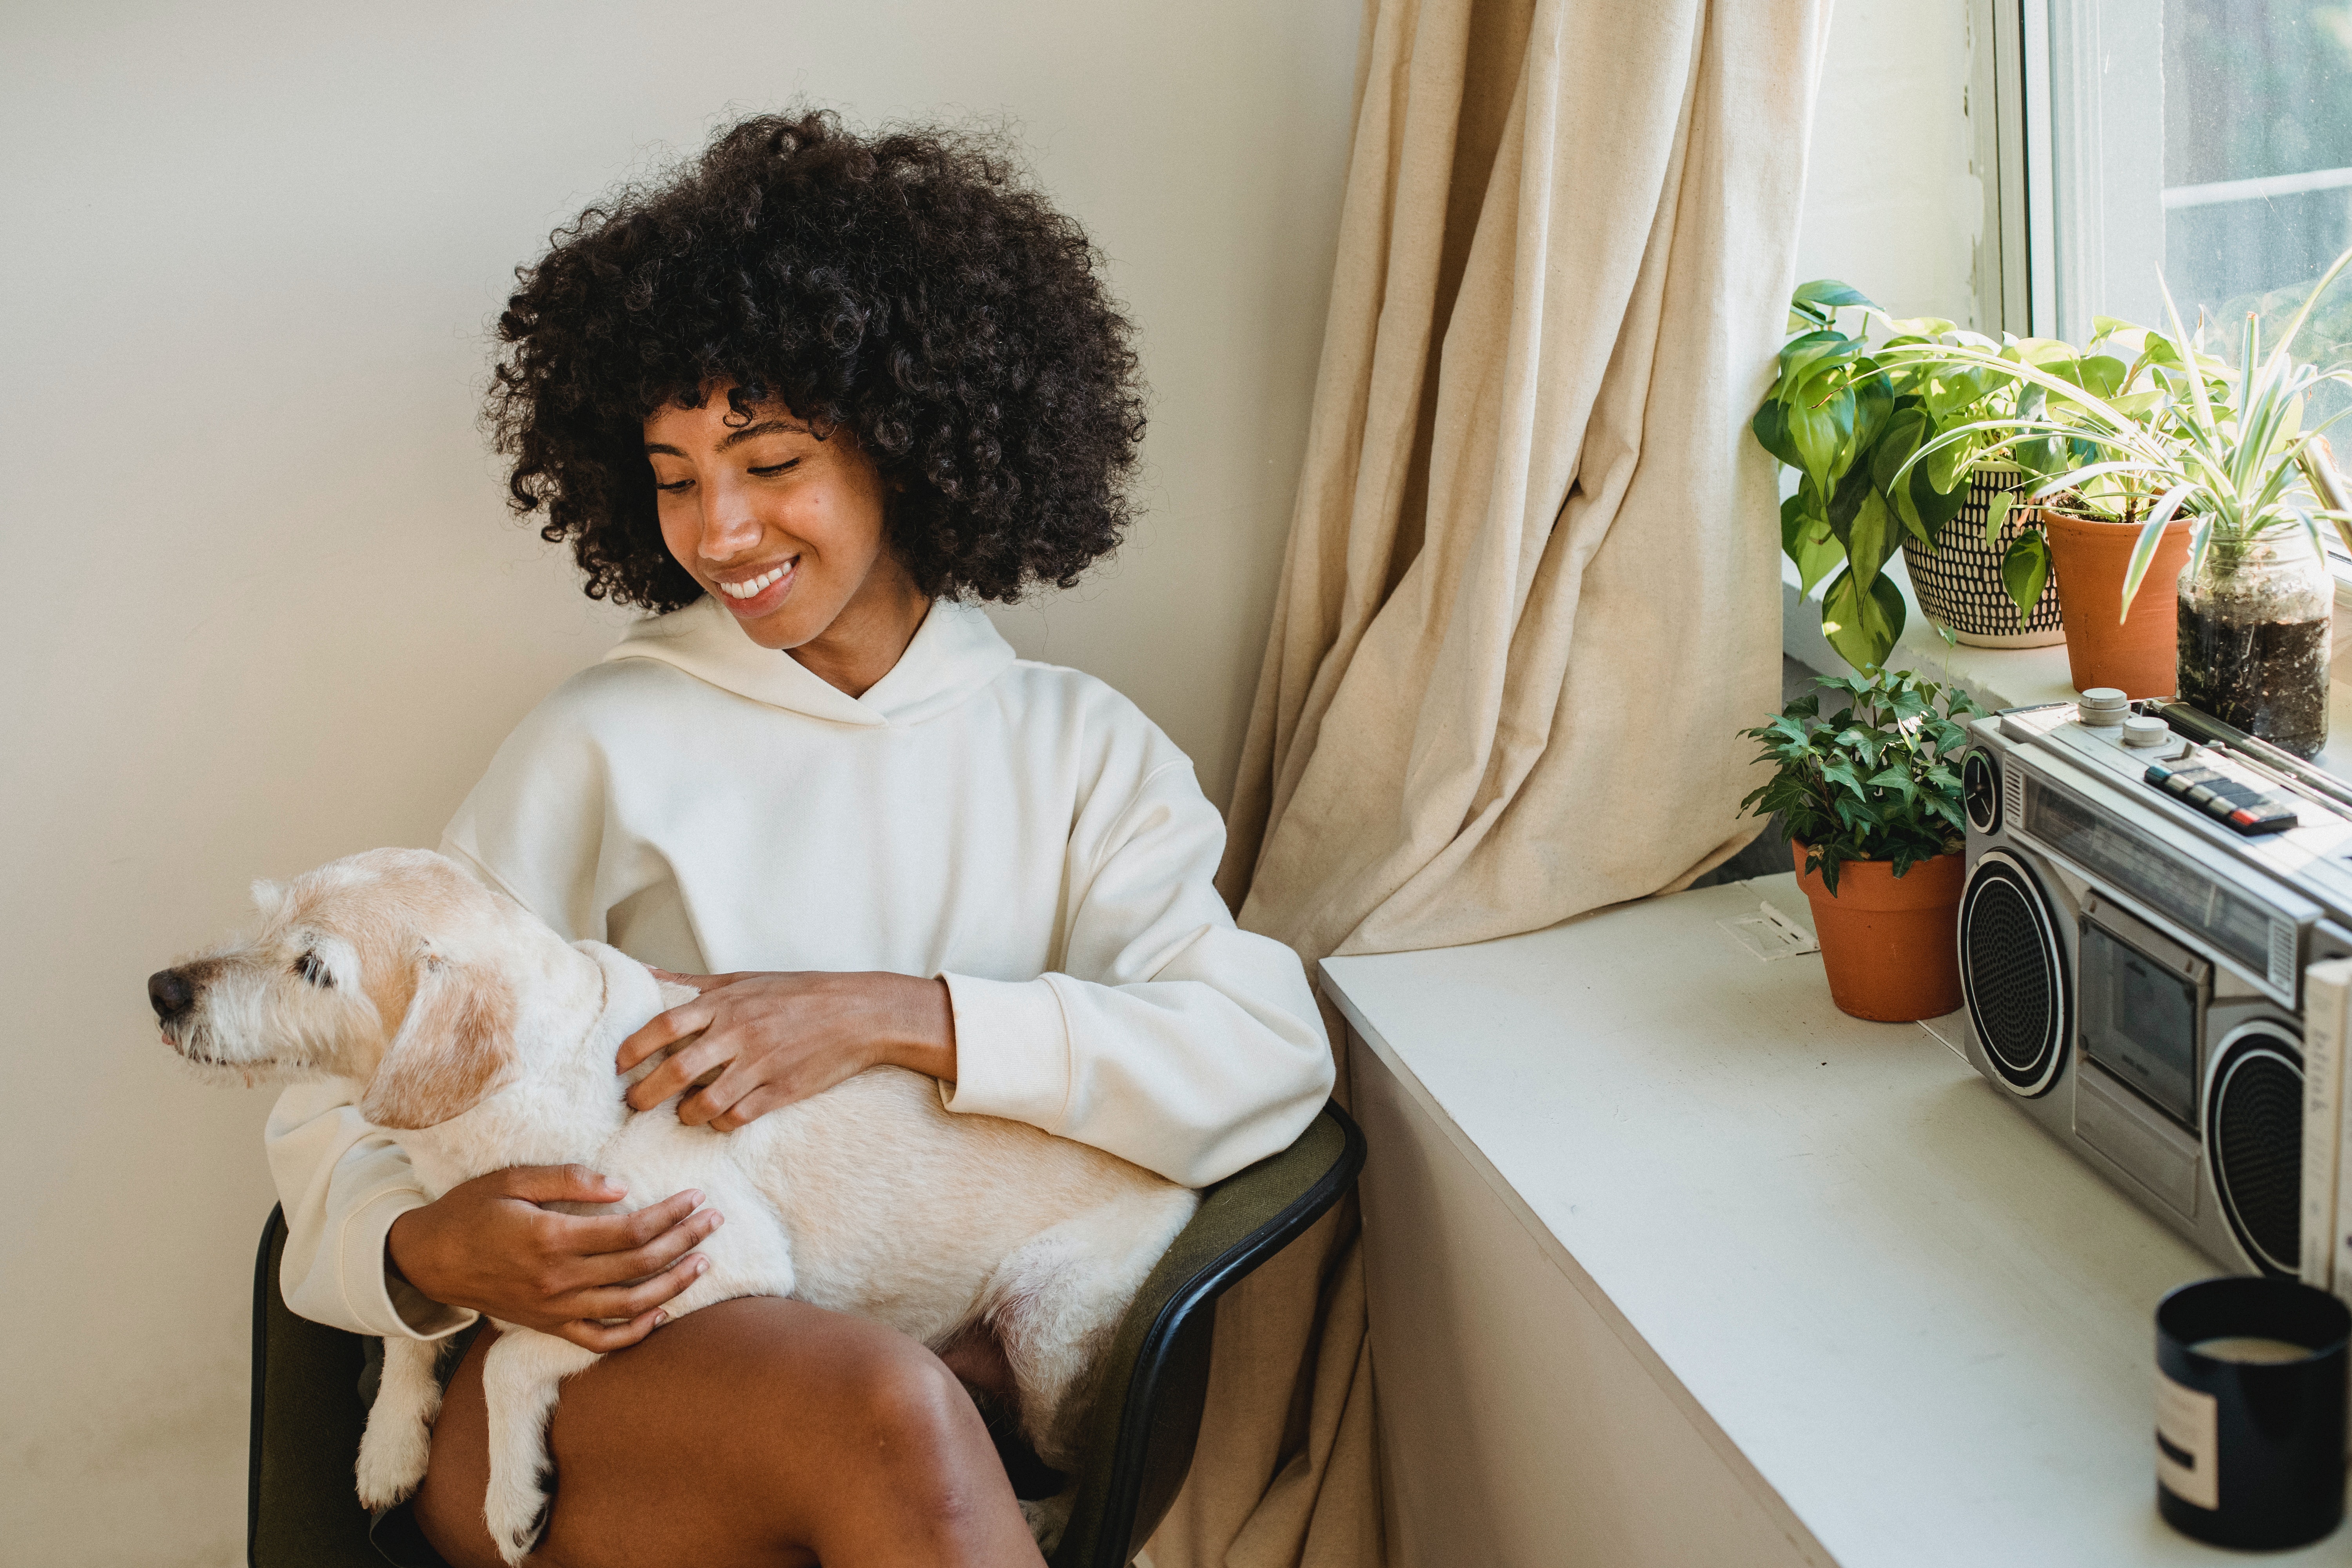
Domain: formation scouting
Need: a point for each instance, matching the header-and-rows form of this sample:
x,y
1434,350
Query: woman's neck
x,y
869,636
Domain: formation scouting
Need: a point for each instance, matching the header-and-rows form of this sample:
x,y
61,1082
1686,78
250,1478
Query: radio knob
x,y
2145,732
2102,706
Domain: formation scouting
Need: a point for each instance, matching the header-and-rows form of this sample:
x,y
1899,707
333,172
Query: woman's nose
x,y
731,527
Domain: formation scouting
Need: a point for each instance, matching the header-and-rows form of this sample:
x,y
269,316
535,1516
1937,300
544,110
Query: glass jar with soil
x,y
2254,635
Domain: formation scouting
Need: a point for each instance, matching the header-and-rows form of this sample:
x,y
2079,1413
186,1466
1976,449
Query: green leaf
x,y
1935,508
1905,428
2025,571
1814,434
1862,624
1871,539
1770,427
1945,466
1829,291
2151,535
1997,515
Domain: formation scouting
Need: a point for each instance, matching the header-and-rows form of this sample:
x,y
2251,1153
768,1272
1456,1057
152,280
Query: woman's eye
x,y
773,470
675,487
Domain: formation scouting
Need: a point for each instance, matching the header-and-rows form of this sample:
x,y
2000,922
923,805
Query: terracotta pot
x,y
2138,654
1891,944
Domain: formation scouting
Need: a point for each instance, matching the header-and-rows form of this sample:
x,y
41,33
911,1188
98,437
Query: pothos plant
x,y
1879,780
1851,417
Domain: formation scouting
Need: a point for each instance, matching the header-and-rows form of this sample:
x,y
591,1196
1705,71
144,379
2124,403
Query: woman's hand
x,y
488,1245
771,1039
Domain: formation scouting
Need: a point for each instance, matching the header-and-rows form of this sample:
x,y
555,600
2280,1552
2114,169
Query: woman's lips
x,y
776,581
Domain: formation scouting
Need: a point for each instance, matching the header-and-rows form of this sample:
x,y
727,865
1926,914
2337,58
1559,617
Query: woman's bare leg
x,y
753,1432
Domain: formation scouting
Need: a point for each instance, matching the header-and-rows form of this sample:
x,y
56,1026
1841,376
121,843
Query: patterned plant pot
x,y
1958,583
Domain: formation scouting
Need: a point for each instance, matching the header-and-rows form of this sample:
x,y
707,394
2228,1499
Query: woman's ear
x,y
456,1036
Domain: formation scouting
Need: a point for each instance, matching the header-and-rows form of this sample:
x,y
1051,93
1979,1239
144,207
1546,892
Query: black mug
x,y
2250,1395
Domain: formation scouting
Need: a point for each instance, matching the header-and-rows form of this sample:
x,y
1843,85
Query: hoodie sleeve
x,y
1171,1037
342,1183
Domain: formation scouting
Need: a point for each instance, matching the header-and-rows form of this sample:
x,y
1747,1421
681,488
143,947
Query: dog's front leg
x,y
519,1383
399,1438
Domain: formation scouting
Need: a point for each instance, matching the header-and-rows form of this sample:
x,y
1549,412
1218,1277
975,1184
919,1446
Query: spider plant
x,y
2176,433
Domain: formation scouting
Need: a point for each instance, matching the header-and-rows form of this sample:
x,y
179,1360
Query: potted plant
x,y
1870,801
1848,419
2216,486
2079,527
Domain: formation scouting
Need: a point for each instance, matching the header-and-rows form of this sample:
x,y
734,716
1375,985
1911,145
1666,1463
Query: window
x,y
2212,137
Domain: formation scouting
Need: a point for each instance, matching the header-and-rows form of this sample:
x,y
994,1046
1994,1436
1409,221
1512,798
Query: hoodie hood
x,y
956,651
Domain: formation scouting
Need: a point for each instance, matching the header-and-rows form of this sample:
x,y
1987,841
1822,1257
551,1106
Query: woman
x,y
804,402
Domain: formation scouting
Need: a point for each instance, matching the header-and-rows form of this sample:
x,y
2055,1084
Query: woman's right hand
x,y
598,1280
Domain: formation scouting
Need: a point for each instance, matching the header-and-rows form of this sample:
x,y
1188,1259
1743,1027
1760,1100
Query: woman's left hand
x,y
773,1038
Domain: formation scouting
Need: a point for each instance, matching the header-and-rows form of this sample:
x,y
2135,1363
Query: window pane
x,y
2258,164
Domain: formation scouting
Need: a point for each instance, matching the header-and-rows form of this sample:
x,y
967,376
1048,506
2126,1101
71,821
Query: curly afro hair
x,y
906,287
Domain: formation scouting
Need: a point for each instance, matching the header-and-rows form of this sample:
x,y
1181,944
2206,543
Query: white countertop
x,y
1926,1326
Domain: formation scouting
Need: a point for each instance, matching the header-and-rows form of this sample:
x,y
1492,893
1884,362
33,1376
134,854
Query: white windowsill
x,y
2018,677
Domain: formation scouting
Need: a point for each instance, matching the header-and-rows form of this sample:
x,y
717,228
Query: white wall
x,y
266,608
1892,205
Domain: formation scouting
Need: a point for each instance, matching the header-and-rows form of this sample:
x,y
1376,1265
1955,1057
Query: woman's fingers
x,y
635,1300
681,1068
762,1099
655,1256
662,1029
626,1232
699,982
559,1185
606,1338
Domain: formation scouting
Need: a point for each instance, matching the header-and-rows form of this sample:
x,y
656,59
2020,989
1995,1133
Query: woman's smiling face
x,y
784,529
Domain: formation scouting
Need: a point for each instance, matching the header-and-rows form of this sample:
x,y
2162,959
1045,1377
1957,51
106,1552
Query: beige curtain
x,y
1532,586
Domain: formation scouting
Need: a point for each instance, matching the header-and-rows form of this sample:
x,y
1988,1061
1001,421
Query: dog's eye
x,y
310,969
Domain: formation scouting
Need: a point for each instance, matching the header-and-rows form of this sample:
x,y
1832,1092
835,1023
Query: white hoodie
x,y
707,804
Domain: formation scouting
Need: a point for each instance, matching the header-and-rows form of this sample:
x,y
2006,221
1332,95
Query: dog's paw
x,y
1049,1517
393,1457
517,1516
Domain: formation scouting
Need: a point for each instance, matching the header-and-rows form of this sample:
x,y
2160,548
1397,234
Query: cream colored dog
x,y
488,1041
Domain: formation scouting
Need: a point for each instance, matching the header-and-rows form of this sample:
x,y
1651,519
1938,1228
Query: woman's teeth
x,y
757,585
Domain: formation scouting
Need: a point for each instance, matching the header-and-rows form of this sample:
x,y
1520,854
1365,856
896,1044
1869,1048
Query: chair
x,y
301,1512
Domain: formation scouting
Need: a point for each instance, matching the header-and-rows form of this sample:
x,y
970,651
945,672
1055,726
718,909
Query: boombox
x,y
2142,898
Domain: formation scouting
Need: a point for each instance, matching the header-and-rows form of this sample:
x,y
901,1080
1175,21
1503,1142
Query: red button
x,y
2243,818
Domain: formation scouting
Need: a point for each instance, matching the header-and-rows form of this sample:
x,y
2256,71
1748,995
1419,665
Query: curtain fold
x,y
1531,590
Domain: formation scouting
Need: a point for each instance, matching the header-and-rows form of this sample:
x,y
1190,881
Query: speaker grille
x,y
2013,971
2254,1138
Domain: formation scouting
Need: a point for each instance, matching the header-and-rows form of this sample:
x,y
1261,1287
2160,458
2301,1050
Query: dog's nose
x,y
168,993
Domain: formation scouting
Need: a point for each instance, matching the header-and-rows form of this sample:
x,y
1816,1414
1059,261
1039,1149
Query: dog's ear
x,y
269,898
456,1036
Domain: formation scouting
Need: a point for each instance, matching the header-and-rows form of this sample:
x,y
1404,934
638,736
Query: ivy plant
x,y
1850,416
1879,780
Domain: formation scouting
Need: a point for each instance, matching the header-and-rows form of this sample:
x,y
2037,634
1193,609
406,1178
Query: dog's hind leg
x,y
399,1438
519,1384
1057,1298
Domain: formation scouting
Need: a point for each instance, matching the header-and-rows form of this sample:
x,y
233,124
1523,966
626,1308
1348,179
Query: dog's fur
x,y
486,1041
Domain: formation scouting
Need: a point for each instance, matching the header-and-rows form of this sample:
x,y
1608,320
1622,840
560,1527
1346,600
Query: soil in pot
x,y
2136,654
2255,618
1890,945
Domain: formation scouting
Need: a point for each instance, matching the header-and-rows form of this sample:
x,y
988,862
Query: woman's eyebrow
x,y
765,428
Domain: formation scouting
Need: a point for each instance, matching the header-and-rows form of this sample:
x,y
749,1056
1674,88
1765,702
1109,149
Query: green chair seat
x,y
302,1513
